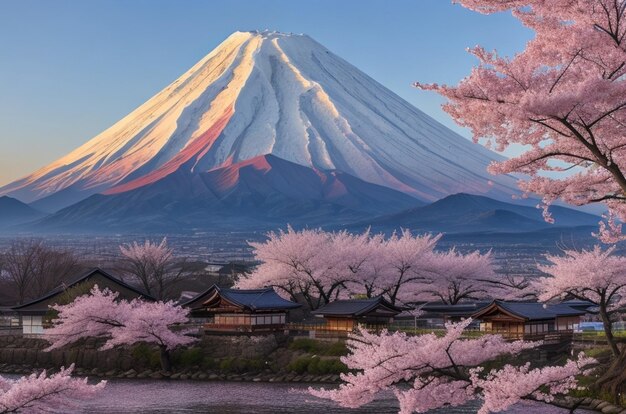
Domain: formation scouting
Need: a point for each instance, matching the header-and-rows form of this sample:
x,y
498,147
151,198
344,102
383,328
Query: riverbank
x,y
183,375
302,382
269,358
142,396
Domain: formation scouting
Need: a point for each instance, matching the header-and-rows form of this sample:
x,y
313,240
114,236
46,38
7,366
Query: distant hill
x,y
263,193
13,212
467,213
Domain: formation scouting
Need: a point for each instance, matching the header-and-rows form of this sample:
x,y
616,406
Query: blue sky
x,y
70,68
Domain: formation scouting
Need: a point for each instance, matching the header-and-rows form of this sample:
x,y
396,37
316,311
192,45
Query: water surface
x,y
165,397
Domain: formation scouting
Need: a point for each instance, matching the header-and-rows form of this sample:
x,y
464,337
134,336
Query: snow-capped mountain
x,y
267,93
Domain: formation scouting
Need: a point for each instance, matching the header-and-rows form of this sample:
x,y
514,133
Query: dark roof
x,y
531,310
83,277
234,267
579,304
357,307
252,299
4,310
459,309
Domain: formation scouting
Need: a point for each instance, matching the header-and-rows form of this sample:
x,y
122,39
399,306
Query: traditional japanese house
x,y
240,310
345,315
528,320
34,314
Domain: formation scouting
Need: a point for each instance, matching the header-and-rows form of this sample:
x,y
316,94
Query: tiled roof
x,y
258,299
533,310
356,307
253,299
85,276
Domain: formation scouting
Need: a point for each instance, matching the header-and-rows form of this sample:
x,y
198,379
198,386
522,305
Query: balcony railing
x,y
219,327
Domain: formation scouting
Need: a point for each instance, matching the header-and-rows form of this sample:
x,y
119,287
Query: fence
x,y
322,331
10,330
597,338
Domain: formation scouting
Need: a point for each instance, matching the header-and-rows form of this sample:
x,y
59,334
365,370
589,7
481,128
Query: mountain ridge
x,y
261,192
14,212
468,213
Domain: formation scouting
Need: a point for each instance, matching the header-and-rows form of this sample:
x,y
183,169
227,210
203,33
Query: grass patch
x,y
240,365
146,356
312,346
190,357
315,365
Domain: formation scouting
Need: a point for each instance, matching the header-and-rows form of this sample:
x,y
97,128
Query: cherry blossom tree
x,y
301,263
154,265
408,259
39,393
562,99
102,315
321,266
455,277
427,372
597,276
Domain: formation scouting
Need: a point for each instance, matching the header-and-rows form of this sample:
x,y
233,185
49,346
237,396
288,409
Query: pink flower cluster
x,y
322,266
563,99
427,372
39,393
102,315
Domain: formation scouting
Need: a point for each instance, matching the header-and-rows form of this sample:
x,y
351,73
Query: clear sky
x,y
71,68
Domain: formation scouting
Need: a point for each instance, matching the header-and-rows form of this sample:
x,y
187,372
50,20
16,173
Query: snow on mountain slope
x,y
261,93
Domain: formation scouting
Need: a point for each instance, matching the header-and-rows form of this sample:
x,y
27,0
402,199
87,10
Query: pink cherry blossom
x,y
39,393
500,389
562,98
597,276
444,371
322,266
102,315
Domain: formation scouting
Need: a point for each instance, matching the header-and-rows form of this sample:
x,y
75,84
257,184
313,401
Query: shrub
x,y
240,365
191,356
332,366
146,356
155,360
336,349
226,364
305,344
209,363
316,366
299,365
313,346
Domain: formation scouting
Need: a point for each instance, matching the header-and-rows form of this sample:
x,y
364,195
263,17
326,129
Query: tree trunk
x,y
613,381
166,363
608,331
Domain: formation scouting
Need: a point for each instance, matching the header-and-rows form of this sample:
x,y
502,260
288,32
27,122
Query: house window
x,y
32,325
340,324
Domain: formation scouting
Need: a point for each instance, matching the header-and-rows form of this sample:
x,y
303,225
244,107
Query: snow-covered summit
x,y
261,93
272,34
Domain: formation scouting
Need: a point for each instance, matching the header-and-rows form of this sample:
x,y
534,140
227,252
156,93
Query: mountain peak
x,y
13,211
271,34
